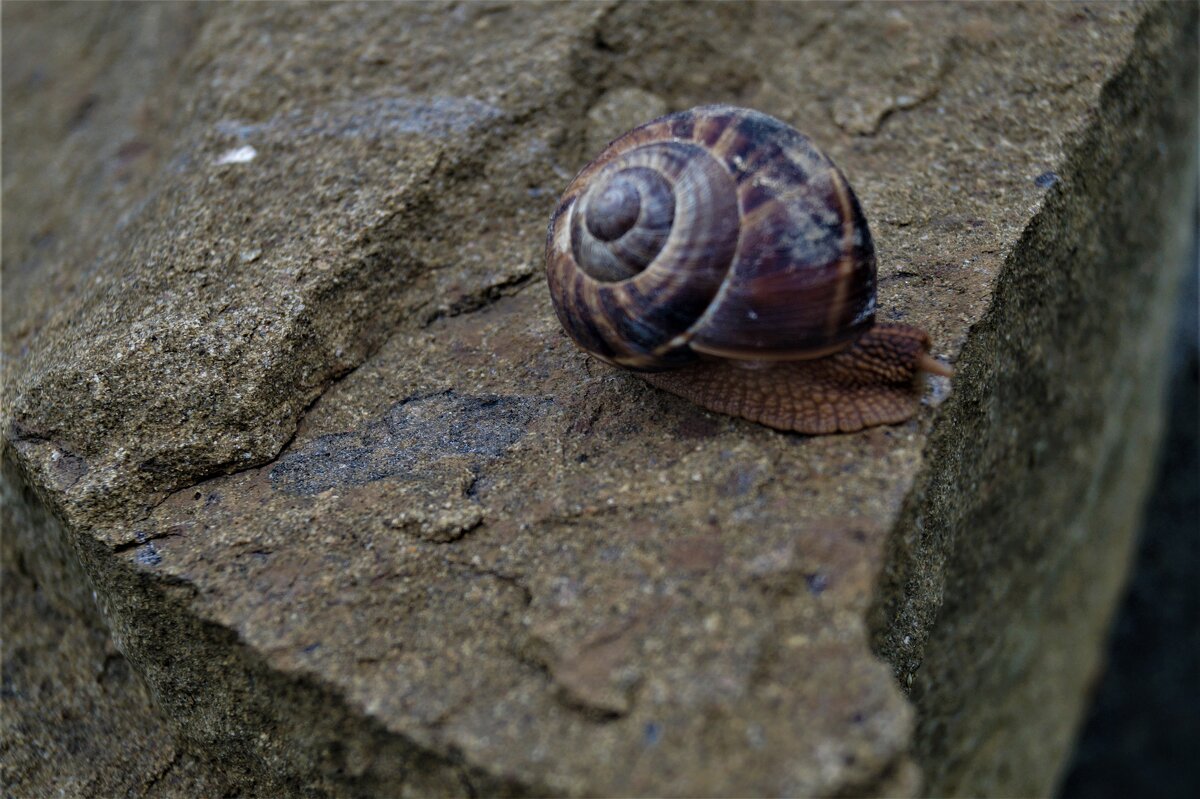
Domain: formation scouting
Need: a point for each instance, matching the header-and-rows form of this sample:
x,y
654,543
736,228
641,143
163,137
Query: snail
x,y
724,258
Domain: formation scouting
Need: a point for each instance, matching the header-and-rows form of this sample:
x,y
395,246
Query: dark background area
x,y
1142,734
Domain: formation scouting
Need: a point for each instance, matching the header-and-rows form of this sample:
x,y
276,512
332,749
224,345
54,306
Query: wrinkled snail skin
x,y
871,382
725,258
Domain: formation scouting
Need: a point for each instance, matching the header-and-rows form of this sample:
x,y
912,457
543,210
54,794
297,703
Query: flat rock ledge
x,y
307,494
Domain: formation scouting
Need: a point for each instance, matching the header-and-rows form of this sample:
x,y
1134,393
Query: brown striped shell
x,y
718,231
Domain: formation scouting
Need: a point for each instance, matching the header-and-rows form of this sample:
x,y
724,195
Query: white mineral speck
x,y
238,155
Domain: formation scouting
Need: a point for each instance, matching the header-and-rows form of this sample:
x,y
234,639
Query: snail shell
x,y
720,238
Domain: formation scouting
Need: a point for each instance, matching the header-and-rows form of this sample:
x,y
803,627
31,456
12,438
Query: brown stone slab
x,y
281,361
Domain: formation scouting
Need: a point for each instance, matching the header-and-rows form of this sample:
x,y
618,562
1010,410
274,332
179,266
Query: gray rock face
x,y
285,381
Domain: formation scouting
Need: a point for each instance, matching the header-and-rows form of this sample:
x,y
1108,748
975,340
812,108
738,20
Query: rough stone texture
x,y
281,374
1047,453
75,718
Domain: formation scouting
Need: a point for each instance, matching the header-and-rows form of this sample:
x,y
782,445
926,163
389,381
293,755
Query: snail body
x,y
721,255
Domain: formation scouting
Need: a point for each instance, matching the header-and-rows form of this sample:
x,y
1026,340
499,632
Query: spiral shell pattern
x,y
718,231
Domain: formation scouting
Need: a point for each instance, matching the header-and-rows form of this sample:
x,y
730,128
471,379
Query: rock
x,y
619,110
76,720
282,367
1017,540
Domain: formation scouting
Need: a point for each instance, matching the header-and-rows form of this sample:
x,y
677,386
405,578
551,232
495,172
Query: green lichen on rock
x,y
365,522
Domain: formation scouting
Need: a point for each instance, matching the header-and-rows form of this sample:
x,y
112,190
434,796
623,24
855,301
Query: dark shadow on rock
x,y
1140,735
415,432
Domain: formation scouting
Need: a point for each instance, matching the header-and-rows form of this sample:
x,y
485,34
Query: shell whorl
x,y
716,231
622,223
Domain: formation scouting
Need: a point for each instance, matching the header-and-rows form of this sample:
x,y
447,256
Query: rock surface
x,y
281,369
